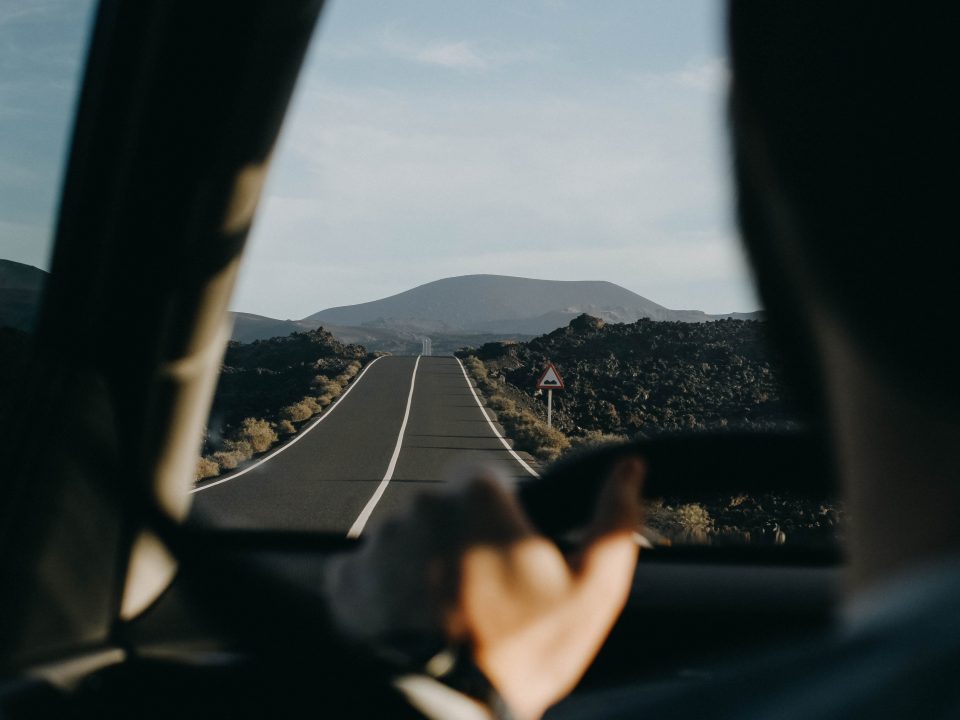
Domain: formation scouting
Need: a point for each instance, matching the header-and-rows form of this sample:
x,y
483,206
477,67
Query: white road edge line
x,y
638,538
299,436
493,427
361,521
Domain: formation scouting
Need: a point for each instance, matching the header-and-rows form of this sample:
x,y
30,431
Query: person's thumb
x,y
610,552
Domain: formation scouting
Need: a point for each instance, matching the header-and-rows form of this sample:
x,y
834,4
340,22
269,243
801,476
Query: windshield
x,y
42,45
495,236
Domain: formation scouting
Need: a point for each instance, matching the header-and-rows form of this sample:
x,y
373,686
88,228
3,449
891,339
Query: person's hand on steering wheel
x,y
467,563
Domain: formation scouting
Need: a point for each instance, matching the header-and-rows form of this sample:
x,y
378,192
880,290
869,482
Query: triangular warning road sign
x,y
550,380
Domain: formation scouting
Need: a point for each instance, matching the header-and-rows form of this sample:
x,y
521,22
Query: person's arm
x,y
468,564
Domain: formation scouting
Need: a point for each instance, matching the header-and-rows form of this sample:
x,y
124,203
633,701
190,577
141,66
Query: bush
x,y
312,405
285,427
475,366
207,468
501,404
297,412
326,386
234,453
258,433
527,431
684,523
536,437
595,438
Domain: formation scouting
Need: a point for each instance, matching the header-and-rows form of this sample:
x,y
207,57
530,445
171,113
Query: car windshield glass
x,y
42,46
495,234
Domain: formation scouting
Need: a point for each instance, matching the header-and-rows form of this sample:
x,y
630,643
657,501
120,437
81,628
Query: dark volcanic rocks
x,y
259,378
648,378
651,377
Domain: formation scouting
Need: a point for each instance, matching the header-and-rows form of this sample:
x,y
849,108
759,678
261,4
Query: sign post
x,y
550,381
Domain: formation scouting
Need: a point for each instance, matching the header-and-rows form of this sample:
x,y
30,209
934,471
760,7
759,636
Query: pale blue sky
x,y
41,43
545,138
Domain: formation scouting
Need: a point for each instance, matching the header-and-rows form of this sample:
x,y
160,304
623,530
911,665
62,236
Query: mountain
x,y
20,289
500,304
248,327
453,312
396,340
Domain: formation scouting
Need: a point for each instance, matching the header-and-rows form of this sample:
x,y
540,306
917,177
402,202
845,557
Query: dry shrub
x,y
326,386
683,523
595,438
312,405
285,427
234,453
258,433
475,366
502,404
207,468
477,369
533,435
527,431
348,374
298,412
303,410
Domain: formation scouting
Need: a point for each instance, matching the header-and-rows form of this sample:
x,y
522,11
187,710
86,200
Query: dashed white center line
x,y
364,516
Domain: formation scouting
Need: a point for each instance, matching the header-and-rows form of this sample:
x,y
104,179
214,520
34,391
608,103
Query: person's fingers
x,y
619,506
502,554
487,524
490,513
608,559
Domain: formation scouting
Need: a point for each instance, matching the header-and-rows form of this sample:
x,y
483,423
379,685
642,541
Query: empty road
x,y
401,425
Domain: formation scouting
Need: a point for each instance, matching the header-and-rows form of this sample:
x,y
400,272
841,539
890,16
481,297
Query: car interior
x,y
111,602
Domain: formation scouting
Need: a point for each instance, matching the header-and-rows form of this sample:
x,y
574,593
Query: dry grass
x,y
234,453
687,523
326,386
528,432
207,468
303,410
257,435
324,400
595,438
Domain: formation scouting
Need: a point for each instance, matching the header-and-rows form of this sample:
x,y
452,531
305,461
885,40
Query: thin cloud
x,y
463,55
460,56
588,182
415,154
710,75
18,10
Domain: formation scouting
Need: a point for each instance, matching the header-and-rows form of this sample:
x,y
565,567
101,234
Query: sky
x,y
41,46
554,139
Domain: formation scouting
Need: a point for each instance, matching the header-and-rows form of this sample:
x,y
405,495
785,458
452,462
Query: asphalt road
x,y
355,467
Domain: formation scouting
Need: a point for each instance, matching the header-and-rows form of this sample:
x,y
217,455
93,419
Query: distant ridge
x,y
451,311
501,303
20,289
248,327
